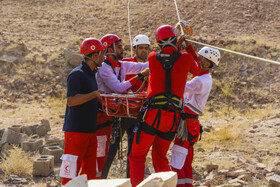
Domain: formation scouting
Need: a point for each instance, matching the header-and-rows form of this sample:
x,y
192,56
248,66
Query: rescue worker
x,y
160,114
196,94
141,48
141,44
81,113
111,79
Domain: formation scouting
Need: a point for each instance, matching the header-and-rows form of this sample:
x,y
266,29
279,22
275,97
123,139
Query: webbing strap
x,y
103,125
157,119
161,99
201,131
145,128
166,135
189,116
167,62
109,63
153,131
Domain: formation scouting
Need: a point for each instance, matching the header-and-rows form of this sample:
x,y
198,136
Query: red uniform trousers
x,y
103,140
160,147
84,146
185,177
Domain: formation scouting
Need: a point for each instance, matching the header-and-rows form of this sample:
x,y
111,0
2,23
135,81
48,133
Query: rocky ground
x,y
39,45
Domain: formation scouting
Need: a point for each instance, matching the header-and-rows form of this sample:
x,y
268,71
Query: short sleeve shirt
x,y
81,118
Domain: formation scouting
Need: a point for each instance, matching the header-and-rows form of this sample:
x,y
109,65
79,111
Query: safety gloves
x,y
144,73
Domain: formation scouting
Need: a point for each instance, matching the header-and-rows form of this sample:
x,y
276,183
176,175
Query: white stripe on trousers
x,y
185,181
98,174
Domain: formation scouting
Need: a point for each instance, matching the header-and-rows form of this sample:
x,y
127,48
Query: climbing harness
x,y
166,101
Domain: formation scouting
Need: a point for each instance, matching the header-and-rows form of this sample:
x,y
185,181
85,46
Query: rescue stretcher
x,y
122,105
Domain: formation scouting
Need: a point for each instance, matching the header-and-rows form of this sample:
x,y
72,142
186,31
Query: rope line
x,y
222,49
238,53
128,20
177,10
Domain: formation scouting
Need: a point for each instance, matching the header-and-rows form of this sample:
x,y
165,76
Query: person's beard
x,y
144,59
120,56
142,56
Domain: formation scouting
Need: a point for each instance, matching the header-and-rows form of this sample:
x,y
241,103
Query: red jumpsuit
x,y
156,85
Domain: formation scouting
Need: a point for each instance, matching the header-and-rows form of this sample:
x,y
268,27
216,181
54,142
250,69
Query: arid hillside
x,y
242,117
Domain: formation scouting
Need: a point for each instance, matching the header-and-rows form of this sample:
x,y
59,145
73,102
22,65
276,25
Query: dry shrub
x,y
17,162
39,59
48,72
29,57
227,133
54,56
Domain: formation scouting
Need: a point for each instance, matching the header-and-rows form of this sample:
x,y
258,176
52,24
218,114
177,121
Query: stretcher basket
x,y
122,105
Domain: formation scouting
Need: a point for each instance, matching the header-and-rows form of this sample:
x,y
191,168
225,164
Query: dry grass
x,y
47,71
226,138
57,102
226,133
262,113
17,162
39,59
54,56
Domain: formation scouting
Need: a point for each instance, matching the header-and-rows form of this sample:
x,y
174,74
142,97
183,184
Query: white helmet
x,y
210,54
141,39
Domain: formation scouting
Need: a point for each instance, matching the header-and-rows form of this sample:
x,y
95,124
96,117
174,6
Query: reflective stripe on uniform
x,y
195,109
98,174
162,100
185,181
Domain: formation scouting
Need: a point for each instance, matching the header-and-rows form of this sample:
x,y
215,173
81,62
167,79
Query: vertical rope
x,y
128,20
175,2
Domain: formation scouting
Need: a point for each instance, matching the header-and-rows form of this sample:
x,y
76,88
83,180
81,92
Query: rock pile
x,y
34,139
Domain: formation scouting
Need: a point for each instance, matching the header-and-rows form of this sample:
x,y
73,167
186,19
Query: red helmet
x,y
90,45
165,31
109,39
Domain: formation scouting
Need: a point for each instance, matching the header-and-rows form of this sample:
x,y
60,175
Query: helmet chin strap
x,y
95,61
202,67
163,43
114,53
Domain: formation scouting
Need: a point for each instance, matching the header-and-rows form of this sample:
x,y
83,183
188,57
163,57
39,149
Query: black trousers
x,y
127,125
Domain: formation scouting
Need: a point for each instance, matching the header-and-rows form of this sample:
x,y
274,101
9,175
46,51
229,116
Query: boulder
x,y
274,181
211,167
72,57
8,59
